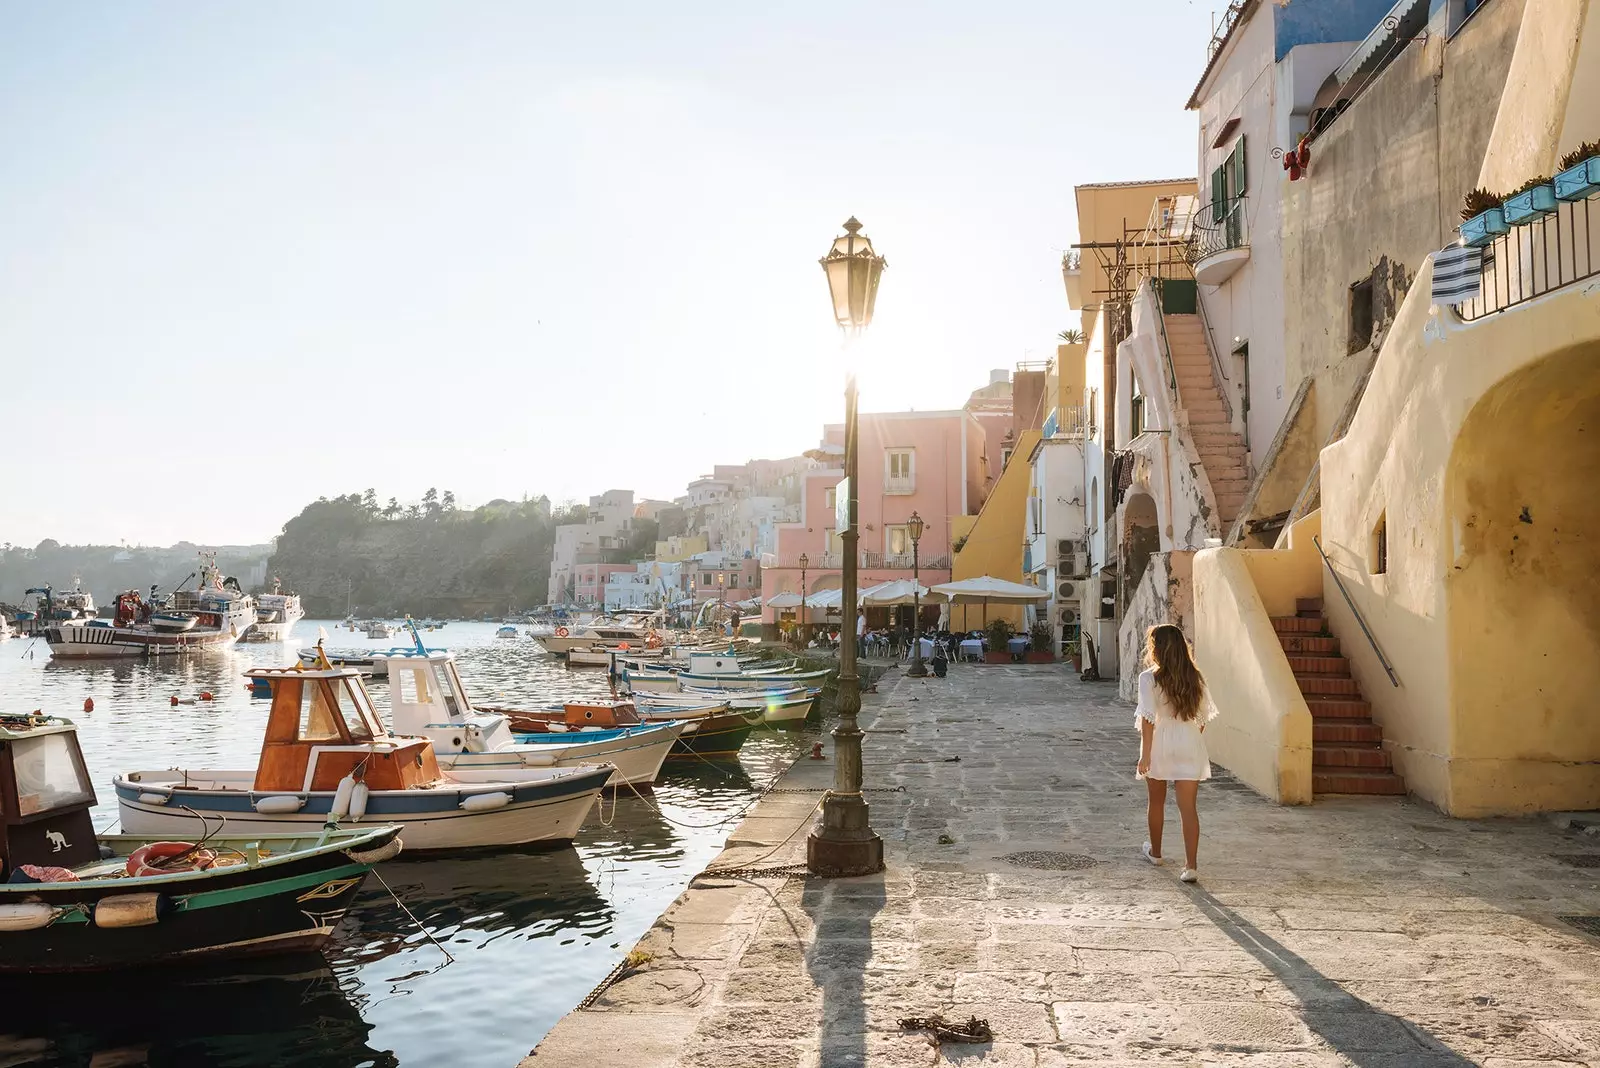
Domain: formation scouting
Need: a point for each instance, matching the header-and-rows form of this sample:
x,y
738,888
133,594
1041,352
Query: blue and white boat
x,y
327,758
427,699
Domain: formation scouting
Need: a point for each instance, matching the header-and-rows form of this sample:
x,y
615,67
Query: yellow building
x,y
680,547
1458,515
992,541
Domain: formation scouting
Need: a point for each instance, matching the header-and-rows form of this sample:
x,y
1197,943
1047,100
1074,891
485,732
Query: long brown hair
x,y
1166,650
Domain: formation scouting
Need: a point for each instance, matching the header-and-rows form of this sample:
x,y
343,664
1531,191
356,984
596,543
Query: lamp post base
x,y
845,844
917,670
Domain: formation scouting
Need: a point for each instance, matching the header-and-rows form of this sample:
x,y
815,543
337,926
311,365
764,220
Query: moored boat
x,y
77,901
221,611
713,730
276,614
326,756
790,705
173,622
507,631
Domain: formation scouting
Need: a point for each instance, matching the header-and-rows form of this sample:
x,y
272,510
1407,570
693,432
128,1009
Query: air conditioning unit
x,y
1066,547
1065,589
1069,615
1075,566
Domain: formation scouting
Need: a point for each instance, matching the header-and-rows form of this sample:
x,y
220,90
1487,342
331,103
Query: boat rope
x,y
415,922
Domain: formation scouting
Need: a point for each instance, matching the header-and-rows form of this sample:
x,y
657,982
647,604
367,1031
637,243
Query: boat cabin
x,y
322,727
715,664
45,795
426,698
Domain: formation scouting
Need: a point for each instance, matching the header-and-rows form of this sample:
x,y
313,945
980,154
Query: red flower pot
x,y
992,657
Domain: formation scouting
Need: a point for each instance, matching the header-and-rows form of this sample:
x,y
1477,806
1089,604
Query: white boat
x,y
589,657
221,609
379,630
427,699
600,633
50,608
777,706
173,622
276,615
507,631
327,758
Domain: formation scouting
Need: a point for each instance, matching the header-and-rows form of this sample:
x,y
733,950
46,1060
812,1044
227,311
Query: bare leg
x,y
1188,810
1156,815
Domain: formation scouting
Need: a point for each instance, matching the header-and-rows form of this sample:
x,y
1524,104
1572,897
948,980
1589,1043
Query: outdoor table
x,y
971,649
1016,647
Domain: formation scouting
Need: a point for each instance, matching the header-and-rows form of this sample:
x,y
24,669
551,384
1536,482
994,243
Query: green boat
x,y
717,737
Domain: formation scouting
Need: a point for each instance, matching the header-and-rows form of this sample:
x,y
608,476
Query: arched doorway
x,y
1522,582
1141,537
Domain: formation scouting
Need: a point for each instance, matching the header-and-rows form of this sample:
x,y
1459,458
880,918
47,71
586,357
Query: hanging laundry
x,y
1457,272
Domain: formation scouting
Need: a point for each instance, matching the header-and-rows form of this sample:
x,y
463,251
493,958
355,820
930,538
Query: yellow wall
x,y
1263,729
688,545
994,544
1103,211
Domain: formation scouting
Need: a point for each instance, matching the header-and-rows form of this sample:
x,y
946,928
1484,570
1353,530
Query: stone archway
x,y
1141,536
1522,582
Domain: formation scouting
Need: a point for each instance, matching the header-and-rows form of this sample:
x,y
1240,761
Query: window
x,y
733,582
1005,456
50,774
413,685
1360,315
705,578
1094,404
835,542
896,541
1378,551
1108,600
830,498
899,470
321,717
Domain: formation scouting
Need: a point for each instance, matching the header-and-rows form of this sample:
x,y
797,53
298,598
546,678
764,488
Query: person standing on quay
x,y
1172,714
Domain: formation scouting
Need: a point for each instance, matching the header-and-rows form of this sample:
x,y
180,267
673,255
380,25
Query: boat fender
x,y
341,799
151,797
539,760
485,802
130,910
28,916
388,851
279,804
358,801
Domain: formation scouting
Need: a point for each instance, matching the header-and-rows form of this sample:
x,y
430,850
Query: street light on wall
x,y
805,562
845,844
918,669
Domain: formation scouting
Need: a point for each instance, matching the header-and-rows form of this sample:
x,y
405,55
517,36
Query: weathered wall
x,y
1262,732
1165,595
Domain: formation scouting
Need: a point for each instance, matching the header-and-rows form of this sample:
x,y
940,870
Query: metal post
x,y
918,669
845,843
802,630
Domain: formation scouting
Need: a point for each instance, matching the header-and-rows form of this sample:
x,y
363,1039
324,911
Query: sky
x,y
252,254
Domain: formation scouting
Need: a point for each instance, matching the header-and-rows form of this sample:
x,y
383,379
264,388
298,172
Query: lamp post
x,y
805,562
918,669
845,844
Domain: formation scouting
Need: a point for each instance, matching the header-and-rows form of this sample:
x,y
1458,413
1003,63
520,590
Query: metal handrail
x,y
1387,667
1216,356
1166,347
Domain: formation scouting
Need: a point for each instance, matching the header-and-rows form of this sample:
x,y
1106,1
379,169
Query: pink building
x,y
931,463
588,581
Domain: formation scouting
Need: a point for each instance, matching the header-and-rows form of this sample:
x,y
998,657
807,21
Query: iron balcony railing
x,y
1537,257
900,486
902,562
1219,228
1066,421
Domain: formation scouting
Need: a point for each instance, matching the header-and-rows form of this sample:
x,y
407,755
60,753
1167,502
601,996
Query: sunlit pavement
x,y
1367,932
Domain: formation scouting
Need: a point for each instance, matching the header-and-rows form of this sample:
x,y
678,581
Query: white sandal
x,y
1149,855
1190,875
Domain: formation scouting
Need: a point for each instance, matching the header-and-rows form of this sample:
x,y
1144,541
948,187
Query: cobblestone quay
x,y
1369,932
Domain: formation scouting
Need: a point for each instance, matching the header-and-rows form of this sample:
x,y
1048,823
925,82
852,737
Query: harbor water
x,y
531,931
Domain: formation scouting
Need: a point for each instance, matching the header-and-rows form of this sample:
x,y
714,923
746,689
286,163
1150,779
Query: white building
x,y
651,585
581,547
1056,557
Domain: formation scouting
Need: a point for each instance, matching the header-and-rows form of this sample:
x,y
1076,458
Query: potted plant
x,y
1041,644
999,632
1580,172
1533,199
1072,653
1483,220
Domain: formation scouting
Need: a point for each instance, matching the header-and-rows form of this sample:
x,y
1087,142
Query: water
x,y
532,931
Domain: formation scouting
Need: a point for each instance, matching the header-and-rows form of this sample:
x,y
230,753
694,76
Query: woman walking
x,y
1172,714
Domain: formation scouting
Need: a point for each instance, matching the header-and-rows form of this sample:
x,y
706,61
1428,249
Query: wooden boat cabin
x,y
322,728
45,795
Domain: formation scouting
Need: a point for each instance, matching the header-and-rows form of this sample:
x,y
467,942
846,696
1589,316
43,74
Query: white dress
x,y
1178,750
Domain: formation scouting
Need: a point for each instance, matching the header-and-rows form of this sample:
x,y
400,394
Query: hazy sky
x,y
253,253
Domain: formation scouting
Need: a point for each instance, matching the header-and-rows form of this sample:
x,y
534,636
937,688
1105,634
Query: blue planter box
x,y
1479,230
1576,183
1534,204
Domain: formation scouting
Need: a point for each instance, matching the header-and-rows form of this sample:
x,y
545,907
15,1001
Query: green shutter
x,y
1219,193
1239,185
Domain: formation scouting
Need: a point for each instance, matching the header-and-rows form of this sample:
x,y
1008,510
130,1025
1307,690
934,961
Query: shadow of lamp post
x,y
845,843
918,669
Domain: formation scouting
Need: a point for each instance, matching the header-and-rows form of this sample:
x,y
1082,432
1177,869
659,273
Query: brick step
x,y
1346,781
1335,706
1326,729
1370,757
1309,645
1319,665
1327,685
1296,625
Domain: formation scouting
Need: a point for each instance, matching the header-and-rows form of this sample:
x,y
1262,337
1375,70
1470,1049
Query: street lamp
x,y
918,669
845,843
805,562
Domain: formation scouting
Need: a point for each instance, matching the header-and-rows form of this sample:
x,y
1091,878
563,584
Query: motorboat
x,y
221,610
326,757
75,606
74,900
379,630
507,631
713,731
776,706
601,633
276,614
428,700
366,661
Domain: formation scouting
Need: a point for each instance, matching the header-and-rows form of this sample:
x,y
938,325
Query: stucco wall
x,y
1165,595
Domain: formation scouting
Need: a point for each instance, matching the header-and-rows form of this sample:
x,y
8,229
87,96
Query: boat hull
x,y
291,906
690,680
636,754
433,819
86,642
716,737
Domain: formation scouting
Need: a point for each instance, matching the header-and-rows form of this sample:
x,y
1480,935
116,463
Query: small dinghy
x,y
77,901
327,756
713,730
173,622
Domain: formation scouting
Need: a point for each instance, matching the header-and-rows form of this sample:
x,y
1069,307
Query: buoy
x,y
174,699
88,704
816,751
205,695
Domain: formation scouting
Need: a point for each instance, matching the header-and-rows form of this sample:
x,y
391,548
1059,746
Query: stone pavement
x,y
1366,932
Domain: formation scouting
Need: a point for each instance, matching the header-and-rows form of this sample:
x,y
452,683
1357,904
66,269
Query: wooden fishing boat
x,y
77,901
777,706
711,731
326,756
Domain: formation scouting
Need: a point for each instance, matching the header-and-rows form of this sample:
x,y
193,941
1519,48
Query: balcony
x,y
1537,257
1220,244
900,487
902,562
1072,275
1066,422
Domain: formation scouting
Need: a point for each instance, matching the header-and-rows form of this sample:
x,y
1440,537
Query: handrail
x,y
1216,357
1166,346
1356,612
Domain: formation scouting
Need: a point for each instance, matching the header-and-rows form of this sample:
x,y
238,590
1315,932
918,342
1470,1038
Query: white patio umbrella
x,y
897,591
784,600
986,588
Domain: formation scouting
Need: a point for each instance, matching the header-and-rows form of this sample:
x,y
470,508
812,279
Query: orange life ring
x,y
147,860
561,632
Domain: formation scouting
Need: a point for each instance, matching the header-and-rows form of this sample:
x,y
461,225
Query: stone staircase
x,y
1222,449
1347,754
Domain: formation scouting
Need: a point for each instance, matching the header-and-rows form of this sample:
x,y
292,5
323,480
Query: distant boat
x,y
50,607
220,610
507,631
276,615
379,630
